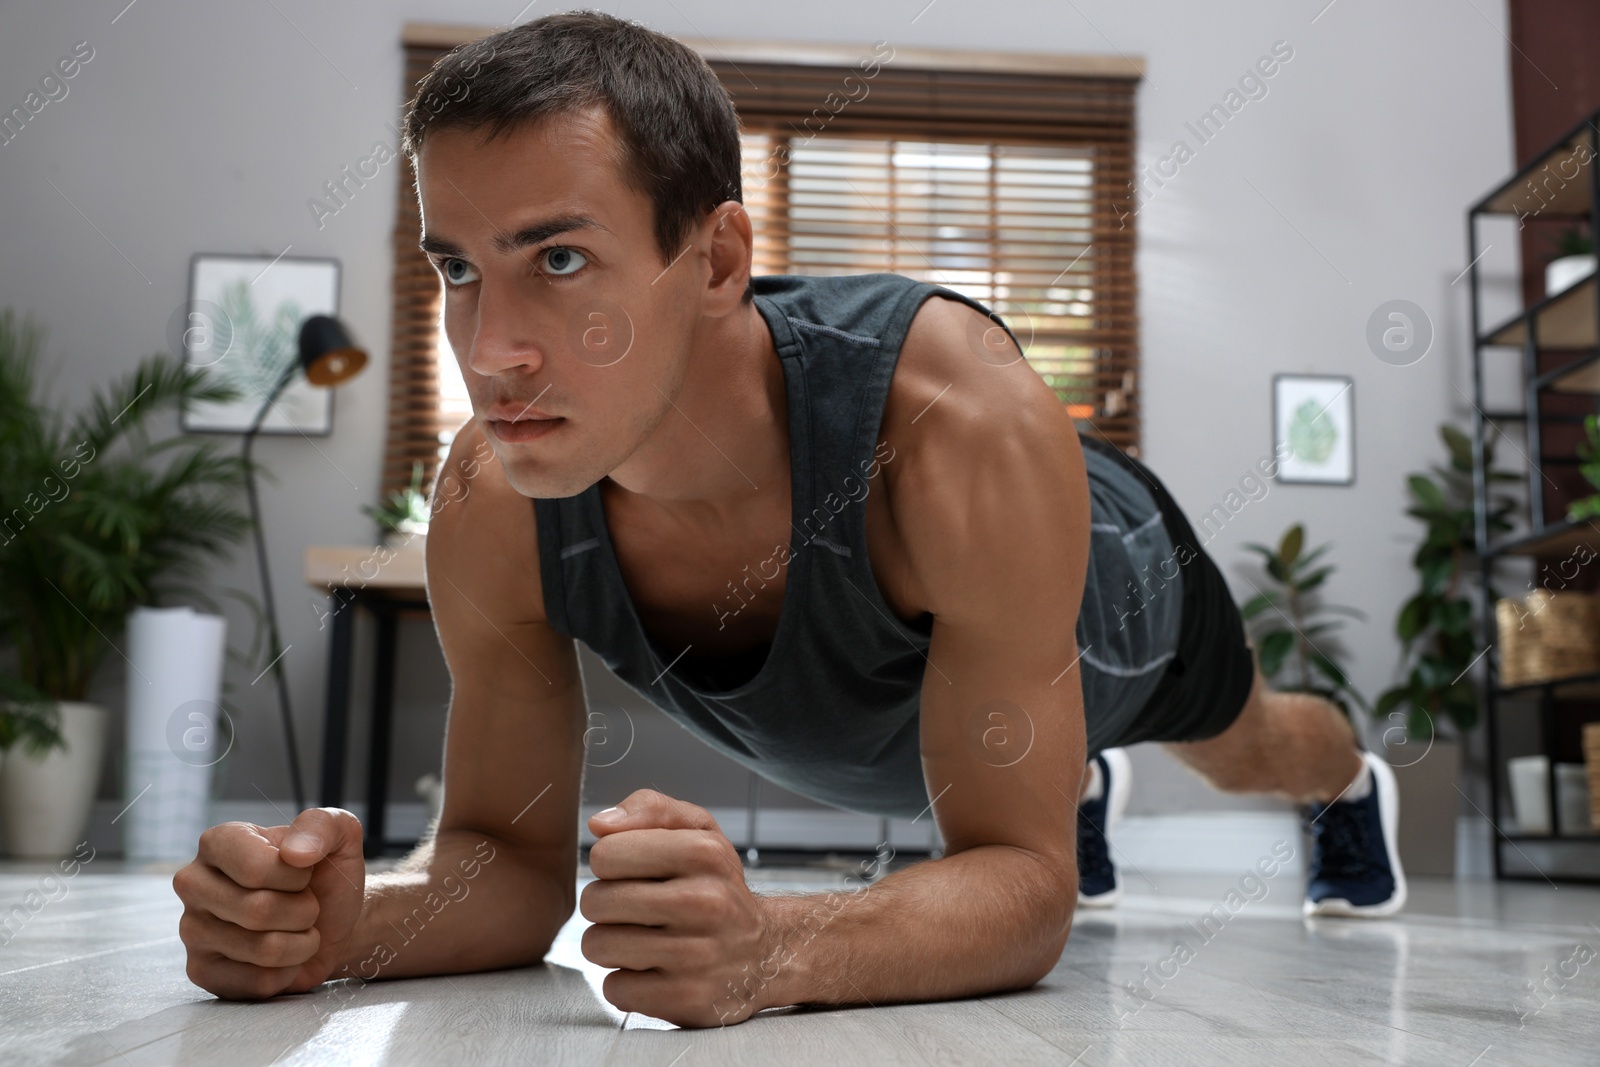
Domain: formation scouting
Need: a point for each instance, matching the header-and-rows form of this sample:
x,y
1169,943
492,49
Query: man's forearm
x,y
460,902
982,920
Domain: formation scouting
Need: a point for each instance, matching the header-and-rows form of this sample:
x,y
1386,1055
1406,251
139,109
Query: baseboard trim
x,y
1221,842
801,828
1212,842
1217,842
1474,849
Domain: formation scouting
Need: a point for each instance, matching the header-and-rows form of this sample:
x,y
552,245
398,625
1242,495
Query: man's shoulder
x,y
962,388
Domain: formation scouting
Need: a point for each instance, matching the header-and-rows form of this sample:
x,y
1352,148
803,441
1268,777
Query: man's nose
x,y
507,337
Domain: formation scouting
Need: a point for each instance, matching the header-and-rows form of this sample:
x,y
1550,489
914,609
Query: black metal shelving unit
x,y
1561,184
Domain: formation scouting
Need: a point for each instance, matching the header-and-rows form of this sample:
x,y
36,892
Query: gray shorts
x,y
1206,683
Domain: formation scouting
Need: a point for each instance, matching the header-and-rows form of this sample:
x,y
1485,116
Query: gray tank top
x,y
829,709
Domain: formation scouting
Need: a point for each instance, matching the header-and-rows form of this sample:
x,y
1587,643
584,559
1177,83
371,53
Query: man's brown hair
x,y
679,131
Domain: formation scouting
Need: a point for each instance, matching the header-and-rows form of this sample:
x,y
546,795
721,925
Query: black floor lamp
x,y
329,358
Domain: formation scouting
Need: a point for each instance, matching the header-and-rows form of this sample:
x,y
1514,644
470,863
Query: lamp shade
x,y
327,353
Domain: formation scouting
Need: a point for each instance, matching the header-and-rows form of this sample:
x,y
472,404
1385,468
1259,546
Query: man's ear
x,y
730,251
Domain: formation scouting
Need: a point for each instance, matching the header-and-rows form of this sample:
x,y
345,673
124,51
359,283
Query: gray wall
x,y
208,127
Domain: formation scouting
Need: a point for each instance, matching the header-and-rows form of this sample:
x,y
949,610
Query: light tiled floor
x,y
97,977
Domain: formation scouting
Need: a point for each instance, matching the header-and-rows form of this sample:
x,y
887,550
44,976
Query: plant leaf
x,y
1289,547
1330,669
1257,604
1414,617
1273,650
1427,493
1314,579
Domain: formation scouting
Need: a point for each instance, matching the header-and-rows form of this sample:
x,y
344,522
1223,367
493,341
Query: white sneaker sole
x,y
1389,818
1121,786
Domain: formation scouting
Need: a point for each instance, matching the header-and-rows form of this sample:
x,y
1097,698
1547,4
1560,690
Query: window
x,y
1006,177
1011,226
455,407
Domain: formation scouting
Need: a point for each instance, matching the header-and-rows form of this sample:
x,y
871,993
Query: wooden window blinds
x,y
1011,185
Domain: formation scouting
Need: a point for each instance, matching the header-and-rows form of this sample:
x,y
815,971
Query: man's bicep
x,y
1004,558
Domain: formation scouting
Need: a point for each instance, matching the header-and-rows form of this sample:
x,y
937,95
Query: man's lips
x,y
516,413
523,429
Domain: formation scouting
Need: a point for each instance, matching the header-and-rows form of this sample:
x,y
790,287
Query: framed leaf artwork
x,y
242,325
1313,435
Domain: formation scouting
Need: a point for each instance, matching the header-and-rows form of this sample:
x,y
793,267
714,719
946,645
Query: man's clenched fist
x,y
671,910
268,910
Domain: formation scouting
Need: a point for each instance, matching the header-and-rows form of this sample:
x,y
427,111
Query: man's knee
x,y
1238,760
1231,771
1239,774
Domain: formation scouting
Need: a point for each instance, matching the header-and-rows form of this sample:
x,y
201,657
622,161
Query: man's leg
x,y
1294,744
1300,746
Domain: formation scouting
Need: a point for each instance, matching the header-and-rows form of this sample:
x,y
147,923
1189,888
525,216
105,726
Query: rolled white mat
x,y
175,733
176,656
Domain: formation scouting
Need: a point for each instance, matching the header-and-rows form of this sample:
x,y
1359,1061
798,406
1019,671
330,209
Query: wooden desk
x,y
388,583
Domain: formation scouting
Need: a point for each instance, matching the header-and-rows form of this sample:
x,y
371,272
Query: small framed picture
x,y
1313,428
242,325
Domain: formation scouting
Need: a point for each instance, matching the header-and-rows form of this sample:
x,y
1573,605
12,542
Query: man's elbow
x,y
1054,902
1050,944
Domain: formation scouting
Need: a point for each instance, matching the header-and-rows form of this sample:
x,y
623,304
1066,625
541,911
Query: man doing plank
x,y
841,531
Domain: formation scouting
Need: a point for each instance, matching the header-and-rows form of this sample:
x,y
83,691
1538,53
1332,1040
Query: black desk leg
x,y
336,712
382,716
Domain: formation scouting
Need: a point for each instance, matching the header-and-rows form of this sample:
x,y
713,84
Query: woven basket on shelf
x,y
1591,759
1547,635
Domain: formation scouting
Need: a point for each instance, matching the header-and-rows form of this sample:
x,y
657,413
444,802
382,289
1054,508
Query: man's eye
x,y
561,261
457,272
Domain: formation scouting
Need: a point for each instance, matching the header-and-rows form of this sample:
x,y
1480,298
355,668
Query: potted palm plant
x,y
96,518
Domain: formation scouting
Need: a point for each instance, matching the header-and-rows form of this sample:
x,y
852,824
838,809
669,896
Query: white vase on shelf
x,y
1562,274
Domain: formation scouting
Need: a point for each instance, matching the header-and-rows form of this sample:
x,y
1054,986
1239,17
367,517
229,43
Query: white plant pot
x,y
44,804
1562,274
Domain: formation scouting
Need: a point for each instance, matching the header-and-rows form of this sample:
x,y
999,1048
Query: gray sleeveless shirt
x,y
829,710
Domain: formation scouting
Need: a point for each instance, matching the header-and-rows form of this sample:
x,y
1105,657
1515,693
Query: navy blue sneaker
x,y
1355,868
1098,884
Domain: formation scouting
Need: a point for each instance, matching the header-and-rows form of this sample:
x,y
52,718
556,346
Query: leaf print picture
x,y
1313,418
1311,434
241,325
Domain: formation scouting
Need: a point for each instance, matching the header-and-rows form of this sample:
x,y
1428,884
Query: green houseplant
x,y
1588,451
1437,650
1435,625
96,518
1573,242
1293,627
405,512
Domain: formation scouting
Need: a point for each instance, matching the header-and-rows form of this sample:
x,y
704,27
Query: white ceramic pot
x,y
44,804
1564,273
1530,798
